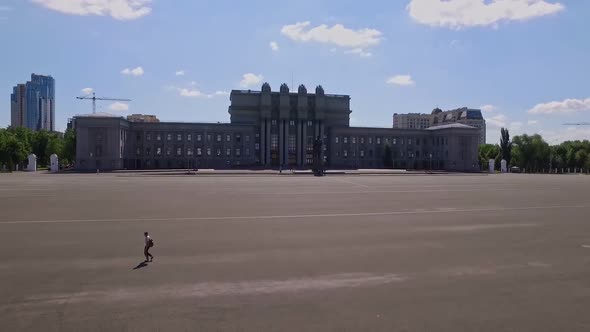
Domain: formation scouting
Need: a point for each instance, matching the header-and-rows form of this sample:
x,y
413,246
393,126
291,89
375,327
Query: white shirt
x,y
147,239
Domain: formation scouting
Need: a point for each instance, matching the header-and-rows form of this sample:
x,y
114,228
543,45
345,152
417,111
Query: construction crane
x,y
94,99
577,124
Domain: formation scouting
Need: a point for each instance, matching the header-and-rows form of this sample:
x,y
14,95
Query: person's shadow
x,y
141,265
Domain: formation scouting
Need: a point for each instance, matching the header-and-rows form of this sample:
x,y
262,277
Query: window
x,y
417,141
189,137
394,141
370,140
218,138
228,152
247,138
179,137
148,137
138,152
336,140
257,146
208,151
401,154
168,151
218,152
345,140
148,151
378,140
247,151
309,123
189,151
409,141
362,139
158,137
238,138
362,153
345,153
238,152
199,137
228,138
273,122
291,144
169,137
158,151
386,140
353,153
199,152
208,137
274,142
291,123
179,151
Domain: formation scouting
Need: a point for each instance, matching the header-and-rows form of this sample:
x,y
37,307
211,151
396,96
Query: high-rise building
x,y
464,115
32,105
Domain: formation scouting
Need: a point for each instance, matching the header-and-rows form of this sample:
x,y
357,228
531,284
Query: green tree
x,y
69,148
39,142
487,152
387,157
505,145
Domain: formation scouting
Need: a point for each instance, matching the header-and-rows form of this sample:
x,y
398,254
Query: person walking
x,y
146,250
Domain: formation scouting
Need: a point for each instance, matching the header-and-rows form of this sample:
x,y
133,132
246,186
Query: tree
x,y
387,157
531,152
487,152
505,145
69,148
40,140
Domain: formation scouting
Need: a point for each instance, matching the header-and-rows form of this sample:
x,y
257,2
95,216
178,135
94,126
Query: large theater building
x,y
270,130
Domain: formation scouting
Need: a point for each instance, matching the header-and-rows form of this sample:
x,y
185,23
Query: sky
x,y
525,63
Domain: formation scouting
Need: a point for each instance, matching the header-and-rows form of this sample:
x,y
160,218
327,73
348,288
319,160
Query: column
x,y
281,141
267,143
317,130
299,142
286,143
262,150
304,145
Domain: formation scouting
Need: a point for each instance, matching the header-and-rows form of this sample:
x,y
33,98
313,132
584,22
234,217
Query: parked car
x,y
515,169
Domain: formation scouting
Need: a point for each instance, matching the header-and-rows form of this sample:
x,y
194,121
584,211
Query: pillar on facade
x,y
299,143
304,144
262,146
267,144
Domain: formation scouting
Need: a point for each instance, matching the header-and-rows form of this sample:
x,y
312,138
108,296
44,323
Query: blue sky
x,y
527,61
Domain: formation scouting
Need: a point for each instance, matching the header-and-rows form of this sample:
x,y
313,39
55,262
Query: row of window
x,y
198,137
191,152
410,155
394,140
273,122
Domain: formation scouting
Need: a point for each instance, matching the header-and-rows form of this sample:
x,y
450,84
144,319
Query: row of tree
x,y
17,143
532,153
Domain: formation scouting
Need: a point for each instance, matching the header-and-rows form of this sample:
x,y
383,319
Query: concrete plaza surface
x,y
274,253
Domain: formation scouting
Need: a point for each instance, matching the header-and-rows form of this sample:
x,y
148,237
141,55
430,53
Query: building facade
x,y
142,118
464,115
270,130
32,105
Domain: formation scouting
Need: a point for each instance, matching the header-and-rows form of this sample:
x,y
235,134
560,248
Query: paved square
x,y
295,253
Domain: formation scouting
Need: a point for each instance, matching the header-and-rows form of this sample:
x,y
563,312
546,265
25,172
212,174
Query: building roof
x,y
451,125
98,115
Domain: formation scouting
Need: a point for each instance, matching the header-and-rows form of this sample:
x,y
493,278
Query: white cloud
x,y
403,80
87,91
118,9
497,121
119,107
193,93
337,35
274,46
360,52
532,122
488,108
179,73
222,93
566,134
562,107
516,125
135,71
250,79
457,14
